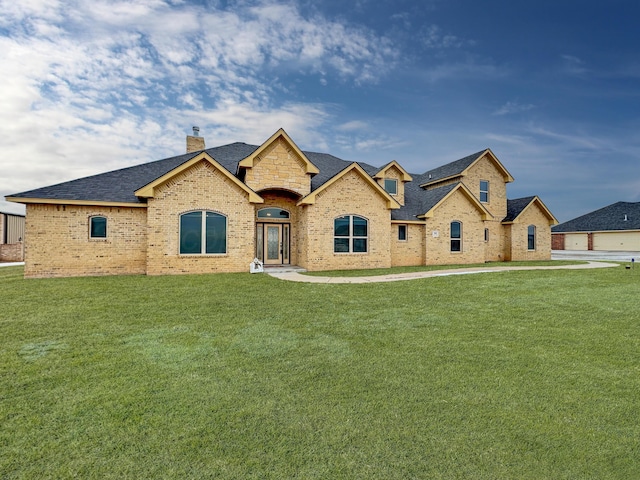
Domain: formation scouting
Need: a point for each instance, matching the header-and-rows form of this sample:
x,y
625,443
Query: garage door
x,y
576,241
617,241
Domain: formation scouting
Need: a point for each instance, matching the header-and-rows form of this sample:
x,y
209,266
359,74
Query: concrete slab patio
x,y
296,276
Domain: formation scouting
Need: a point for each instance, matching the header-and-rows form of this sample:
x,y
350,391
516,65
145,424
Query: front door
x,y
273,243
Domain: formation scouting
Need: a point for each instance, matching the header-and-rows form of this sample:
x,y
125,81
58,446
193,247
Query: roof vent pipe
x,y
625,217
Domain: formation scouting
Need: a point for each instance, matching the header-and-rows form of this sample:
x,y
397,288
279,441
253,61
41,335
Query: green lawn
x,y
514,375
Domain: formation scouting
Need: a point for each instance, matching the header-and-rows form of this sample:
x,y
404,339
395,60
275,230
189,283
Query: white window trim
x,y
485,191
351,237
203,238
395,181
106,228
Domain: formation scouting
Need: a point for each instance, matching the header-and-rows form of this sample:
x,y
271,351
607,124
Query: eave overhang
x,y
484,213
543,208
148,191
250,161
486,154
310,199
63,201
381,173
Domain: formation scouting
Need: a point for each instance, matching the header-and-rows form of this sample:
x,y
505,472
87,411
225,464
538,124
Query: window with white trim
x,y
456,236
203,233
350,234
98,227
391,186
531,237
484,191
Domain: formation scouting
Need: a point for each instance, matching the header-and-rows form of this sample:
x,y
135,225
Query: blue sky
x,y
552,87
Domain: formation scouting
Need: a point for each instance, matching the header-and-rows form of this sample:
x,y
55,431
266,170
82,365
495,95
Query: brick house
x,y
615,227
216,209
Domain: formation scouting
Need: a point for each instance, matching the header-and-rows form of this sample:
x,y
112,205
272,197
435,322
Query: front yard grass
x,y
527,375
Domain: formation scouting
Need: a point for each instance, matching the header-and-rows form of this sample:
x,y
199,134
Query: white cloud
x,y
88,86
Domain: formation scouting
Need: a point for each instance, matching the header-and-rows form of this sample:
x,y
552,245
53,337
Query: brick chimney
x,y
195,142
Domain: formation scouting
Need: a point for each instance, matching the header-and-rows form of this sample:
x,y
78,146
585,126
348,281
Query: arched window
x,y
98,227
272,212
202,233
531,237
456,236
351,234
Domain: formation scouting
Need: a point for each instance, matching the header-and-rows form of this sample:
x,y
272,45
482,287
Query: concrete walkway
x,y
294,276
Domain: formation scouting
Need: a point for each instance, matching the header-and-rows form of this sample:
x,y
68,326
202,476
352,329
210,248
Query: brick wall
x,y
279,167
410,251
394,173
438,246
557,241
12,252
519,236
57,241
350,195
200,187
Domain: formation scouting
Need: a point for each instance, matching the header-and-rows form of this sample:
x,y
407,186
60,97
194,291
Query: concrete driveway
x,y
592,255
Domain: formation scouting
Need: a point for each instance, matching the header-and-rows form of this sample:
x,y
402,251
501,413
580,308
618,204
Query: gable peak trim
x,y
405,175
148,191
250,161
485,214
310,199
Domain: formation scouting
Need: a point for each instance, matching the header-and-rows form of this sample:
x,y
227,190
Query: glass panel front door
x,y
273,243
274,250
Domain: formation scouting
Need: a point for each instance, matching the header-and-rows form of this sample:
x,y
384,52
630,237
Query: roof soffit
x,y
485,214
543,208
486,154
250,161
311,198
405,176
148,191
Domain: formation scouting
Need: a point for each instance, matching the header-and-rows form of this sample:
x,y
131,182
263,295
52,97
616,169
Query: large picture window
x,y
456,236
203,233
531,237
350,234
98,227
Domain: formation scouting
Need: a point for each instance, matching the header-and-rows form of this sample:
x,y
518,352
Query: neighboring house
x,y
615,227
216,209
11,237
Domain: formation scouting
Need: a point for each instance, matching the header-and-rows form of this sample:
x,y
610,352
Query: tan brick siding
x,y
519,236
438,248
410,251
393,173
200,187
485,169
350,195
57,241
279,167
12,252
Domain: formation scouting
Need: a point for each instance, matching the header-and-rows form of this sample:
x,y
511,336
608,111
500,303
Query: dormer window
x,y
391,186
484,191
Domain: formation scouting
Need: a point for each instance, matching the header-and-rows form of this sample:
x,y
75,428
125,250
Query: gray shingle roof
x,y
516,206
611,217
119,185
450,169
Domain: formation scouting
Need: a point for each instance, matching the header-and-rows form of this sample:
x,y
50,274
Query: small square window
x,y
98,227
391,186
402,233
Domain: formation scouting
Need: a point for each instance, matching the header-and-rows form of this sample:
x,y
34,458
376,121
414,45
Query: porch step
x,y
283,269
